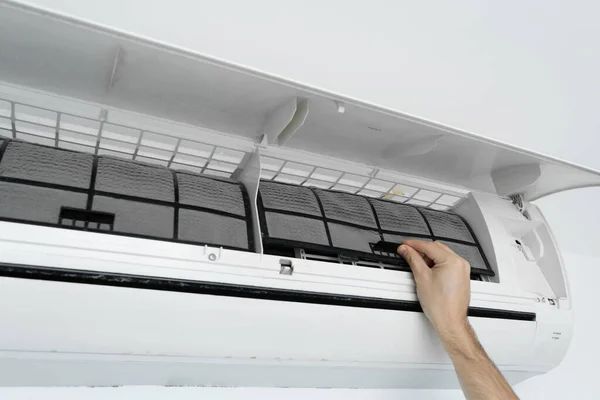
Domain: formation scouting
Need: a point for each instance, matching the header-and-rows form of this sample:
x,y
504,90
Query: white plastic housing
x,y
70,84
79,334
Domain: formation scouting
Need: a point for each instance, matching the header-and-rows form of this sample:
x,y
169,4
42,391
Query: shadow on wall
x,y
574,219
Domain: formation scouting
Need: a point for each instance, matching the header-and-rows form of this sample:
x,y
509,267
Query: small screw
x,y
212,257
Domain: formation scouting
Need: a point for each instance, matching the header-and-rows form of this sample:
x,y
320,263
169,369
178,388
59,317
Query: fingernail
x,y
402,250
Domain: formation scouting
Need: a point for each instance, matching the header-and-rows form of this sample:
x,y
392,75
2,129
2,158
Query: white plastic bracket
x,y
249,175
296,122
284,121
516,179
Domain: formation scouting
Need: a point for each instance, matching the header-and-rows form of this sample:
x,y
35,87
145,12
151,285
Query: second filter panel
x,y
348,225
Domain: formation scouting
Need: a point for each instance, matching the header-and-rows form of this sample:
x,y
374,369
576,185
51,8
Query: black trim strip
x,y
43,184
374,211
385,247
426,222
324,217
264,229
90,198
231,290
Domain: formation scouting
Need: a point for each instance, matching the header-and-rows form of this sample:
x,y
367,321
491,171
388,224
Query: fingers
x,y
445,246
436,251
428,261
417,264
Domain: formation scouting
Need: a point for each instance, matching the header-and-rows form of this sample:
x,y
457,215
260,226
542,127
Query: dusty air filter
x,y
347,226
57,187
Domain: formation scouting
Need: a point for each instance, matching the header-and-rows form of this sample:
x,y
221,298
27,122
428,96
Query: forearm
x,y
478,376
443,286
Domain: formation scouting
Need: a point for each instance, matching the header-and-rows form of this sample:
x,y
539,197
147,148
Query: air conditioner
x,y
171,219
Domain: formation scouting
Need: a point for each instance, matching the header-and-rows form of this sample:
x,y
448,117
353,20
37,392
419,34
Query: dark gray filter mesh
x,y
351,238
446,225
352,225
204,227
149,211
292,227
211,193
46,165
287,197
347,207
134,179
37,204
399,217
469,253
136,217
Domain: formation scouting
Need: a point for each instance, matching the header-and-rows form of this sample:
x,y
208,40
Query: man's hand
x,y
443,283
444,290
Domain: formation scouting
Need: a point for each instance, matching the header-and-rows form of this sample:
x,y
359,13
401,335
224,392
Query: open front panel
x,y
49,186
45,52
324,224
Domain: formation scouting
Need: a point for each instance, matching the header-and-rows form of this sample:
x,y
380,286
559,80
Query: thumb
x,y
416,262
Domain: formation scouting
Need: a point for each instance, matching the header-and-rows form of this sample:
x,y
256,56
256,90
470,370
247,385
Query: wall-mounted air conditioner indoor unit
x,y
170,219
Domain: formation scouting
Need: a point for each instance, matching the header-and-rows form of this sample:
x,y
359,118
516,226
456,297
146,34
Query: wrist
x,y
452,331
459,340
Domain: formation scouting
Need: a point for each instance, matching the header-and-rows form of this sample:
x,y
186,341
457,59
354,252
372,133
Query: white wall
x,y
520,72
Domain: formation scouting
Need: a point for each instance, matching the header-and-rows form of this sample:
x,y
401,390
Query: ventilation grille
x,y
339,224
369,185
60,187
72,132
